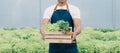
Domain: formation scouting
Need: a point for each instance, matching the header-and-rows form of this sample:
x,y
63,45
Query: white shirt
x,y
74,11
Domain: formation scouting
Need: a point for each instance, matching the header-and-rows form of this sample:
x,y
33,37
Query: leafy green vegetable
x,y
52,27
60,25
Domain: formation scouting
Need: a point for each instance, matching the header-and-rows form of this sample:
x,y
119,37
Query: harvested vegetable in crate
x,y
58,32
58,26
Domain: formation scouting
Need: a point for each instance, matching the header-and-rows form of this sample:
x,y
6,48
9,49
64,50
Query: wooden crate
x,y
58,37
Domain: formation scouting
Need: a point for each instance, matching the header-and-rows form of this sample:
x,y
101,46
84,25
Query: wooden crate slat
x,y
69,33
54,33
60,33
58,41
58,36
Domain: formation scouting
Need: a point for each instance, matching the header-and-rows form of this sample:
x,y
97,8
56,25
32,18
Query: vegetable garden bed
x,y
28,40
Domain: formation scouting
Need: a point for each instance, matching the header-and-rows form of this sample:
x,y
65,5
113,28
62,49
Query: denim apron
x,y
62,14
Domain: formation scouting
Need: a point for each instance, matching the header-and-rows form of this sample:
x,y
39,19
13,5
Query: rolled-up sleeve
x,y
75,12
46,13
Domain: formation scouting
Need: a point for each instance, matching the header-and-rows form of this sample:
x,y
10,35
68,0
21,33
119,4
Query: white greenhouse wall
x,y
94,13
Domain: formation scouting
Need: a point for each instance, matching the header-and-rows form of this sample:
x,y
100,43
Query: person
x,y
67,12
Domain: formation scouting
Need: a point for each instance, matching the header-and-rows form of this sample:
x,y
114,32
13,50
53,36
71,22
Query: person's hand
x,y
43,34
73,36
43,37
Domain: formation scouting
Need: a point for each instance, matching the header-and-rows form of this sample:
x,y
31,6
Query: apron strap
x,y
58,5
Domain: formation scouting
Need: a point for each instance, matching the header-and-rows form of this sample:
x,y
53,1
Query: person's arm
x,y
44,22
77,27
46,17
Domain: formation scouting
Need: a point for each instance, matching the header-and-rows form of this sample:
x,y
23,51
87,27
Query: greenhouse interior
x,y
21,20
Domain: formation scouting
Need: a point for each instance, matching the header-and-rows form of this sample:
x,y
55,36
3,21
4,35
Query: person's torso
x,y
62,14
72,8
